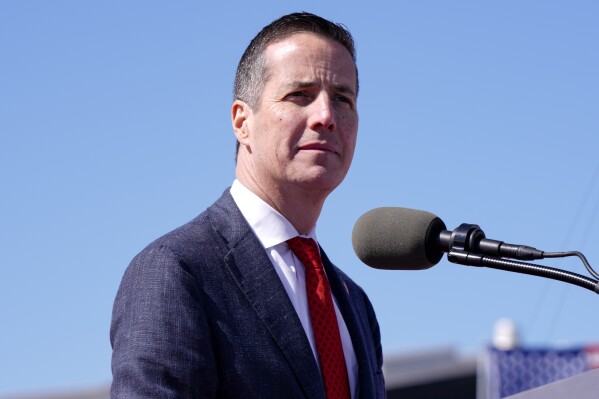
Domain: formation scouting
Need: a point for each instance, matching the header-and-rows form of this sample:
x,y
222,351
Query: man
x,y
230,305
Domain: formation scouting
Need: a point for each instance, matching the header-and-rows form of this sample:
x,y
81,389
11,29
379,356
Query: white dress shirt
x,y
273,230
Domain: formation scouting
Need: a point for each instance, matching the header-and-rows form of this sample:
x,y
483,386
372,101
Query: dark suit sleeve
x,y
160,333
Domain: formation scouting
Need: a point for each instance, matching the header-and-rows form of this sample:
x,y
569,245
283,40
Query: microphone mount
x,y
467,245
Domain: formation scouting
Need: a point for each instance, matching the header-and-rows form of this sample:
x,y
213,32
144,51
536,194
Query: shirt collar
x,y
270,226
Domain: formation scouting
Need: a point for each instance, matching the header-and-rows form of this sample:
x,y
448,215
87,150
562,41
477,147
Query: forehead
x,y
309,56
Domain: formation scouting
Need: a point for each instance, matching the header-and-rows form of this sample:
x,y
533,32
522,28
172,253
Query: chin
x,y
321,182
320,177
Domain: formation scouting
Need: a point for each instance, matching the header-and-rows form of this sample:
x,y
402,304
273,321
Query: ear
x,y
240,119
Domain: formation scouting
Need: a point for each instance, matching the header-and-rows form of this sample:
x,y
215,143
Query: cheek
x,y
349,127
289,133
271,137
347,120
350,146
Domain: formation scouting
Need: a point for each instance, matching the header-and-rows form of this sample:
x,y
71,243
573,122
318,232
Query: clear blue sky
x,y
114,129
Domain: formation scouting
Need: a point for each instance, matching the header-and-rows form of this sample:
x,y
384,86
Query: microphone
x,y
409,239
396,238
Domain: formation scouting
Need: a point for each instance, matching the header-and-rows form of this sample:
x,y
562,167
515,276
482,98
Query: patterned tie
x,y
324,321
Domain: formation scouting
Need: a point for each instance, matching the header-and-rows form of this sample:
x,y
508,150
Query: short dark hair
x,y
251,71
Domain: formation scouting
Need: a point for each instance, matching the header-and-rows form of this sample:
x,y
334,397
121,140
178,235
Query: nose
x,y
322,113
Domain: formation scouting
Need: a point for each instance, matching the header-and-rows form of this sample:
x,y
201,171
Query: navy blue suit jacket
x,y
202,313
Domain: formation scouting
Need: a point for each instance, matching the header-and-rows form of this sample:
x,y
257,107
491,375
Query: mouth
x,y
318,146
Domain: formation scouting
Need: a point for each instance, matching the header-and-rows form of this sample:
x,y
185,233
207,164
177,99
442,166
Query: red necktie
x,y
324,321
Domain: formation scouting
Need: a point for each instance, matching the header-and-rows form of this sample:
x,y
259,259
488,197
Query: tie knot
x,y
306,250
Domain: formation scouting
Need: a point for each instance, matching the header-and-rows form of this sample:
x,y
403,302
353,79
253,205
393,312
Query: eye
x,y
344,99
297,94
300,97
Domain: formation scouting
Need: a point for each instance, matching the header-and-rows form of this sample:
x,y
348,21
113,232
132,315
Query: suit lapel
x,y
256,277
356,325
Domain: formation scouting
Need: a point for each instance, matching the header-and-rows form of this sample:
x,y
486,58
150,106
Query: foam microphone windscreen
x,y
398,238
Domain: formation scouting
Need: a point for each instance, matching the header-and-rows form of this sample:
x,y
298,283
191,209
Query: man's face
x,y
303,130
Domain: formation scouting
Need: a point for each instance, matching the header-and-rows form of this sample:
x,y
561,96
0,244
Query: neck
x,y
299,206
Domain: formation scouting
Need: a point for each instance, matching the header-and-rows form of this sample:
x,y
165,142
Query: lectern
x,y
581,386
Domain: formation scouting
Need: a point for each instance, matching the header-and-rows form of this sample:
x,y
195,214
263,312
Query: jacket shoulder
x,y
209,232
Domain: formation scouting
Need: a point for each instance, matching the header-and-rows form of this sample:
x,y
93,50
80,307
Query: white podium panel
x,y
581,386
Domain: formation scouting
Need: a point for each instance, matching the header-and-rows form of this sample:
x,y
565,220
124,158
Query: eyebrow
x,y
339,87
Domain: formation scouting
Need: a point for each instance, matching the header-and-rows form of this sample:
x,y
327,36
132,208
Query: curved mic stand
x,y
465,237
469,259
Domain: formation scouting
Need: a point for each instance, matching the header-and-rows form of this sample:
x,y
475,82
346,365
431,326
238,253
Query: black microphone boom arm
x,y
469,259
469,237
